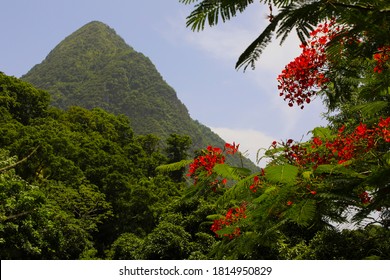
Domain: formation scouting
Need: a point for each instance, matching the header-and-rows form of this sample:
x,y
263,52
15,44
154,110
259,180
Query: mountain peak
x,y
94,67
98,31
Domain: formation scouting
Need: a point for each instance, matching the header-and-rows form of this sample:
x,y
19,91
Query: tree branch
x,y
4,169
18,215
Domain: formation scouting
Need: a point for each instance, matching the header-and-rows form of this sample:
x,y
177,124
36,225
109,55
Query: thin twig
x,y
4,169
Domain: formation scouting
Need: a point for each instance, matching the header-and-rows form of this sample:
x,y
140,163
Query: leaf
x,y
322,132
210,11
283,174
226,230
214,217
173,166
303,212
254,50
338,169
230,172
239,191
371,108
386,158
265,195
307,174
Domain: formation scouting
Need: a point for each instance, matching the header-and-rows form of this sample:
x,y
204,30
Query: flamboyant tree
x,y
342,171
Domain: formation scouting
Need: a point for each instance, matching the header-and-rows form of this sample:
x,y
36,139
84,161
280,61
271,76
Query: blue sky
x,y
241,107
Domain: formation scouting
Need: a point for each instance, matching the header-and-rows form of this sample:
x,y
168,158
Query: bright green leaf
x,y
283,174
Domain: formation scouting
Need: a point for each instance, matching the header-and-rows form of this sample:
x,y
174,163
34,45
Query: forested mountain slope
x,y
94,67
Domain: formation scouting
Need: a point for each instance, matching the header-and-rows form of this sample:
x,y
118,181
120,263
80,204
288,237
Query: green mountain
x,y
94,67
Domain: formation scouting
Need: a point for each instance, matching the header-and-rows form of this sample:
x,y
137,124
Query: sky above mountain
x,y
241,107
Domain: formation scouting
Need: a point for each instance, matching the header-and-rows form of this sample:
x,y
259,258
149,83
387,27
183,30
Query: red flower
x,y
361,129
305,76
256,183
206,162
316,142
381,57
364,197
231,149
232,216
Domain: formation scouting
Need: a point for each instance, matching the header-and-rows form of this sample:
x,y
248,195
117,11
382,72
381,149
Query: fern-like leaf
x,y
230,172
338,169
174,166
211,10
371,108
322,132
254,50
238,192
303,212
283,174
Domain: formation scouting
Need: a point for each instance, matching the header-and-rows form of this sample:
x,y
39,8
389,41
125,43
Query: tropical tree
x,y
340,173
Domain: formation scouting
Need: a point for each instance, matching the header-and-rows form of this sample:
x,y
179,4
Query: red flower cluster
x,y
232,216
384,129
302,78
365,198
360,141
211,157
256,181
381,57
231,148
255,185
299,155
294,152
345,147
206,162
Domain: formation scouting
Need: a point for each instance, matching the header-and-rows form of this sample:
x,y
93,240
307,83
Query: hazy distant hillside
x,y
94,67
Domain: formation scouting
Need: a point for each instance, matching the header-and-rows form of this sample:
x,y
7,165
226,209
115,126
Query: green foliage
x,y
21,100
126,247
80,179
174,166
281,174
231,173
167,241
369,243
303,212
79,184
36,225
211,11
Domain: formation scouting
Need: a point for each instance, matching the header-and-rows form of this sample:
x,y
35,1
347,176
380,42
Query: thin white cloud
x,y
225,42
221,43
251,141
